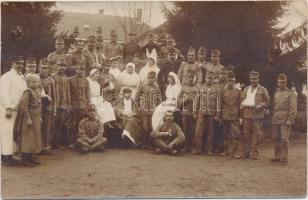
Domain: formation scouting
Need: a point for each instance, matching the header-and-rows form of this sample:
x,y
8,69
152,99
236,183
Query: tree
x,y
27,28
245,32
135,16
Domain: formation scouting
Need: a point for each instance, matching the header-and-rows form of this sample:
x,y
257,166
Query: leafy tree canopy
x,y
27,28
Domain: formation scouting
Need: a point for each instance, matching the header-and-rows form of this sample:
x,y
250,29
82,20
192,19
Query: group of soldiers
x,y
49,105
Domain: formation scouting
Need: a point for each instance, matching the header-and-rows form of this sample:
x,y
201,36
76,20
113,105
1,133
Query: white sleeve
x,y
5,86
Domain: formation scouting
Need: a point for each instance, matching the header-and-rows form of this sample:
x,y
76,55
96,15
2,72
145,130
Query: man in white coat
x,y
12,86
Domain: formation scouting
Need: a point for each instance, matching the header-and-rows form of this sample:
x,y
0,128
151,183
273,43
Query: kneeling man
x,y
91,130
169,137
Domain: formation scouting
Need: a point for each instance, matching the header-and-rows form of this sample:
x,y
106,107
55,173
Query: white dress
x,y
105,110
12,87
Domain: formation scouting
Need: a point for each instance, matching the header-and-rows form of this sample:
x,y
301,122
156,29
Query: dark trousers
x,y
204,121
47,128
75,117
231,136
218,137
146,121
188,129
61,128
168,147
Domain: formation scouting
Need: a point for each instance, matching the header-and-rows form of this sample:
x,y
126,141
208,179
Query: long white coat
x,y
12,86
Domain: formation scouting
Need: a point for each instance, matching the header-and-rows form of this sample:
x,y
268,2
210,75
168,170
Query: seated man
x,y
169,137
90,136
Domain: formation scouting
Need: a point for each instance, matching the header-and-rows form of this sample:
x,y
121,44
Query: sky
x,y
295,16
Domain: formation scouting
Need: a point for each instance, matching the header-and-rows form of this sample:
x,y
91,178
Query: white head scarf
x,y
173,91
92,72
130,64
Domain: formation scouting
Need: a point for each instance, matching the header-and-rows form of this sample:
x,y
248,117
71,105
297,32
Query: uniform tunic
x,y
129,51
12,86
215,69
177,138
113,49
186,70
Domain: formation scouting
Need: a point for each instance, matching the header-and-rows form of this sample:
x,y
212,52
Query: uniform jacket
x,y
209,100
262,98
284,106
91,129
148,97
79,92
176,131
186,70
187,100
230,103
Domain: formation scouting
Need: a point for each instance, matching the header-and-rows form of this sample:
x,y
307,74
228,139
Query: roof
x,y
92,21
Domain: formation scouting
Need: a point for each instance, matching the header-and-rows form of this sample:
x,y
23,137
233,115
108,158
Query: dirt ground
x,y
141,173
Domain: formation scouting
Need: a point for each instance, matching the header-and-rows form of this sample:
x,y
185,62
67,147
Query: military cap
x,y
254,74
91,38
215,53
282,77
202,50
191,50
127,90
152,74
17,59
99,37
151,35
30,60
59,39
113,32
209,74
43,61
169,38
171,50
231,76
91,108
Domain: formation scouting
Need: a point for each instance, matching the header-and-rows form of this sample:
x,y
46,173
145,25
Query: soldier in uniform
x,y
215,67
207,110
48,106
255,102
187,101
99,46
202,63
91,133
170,45
148,97
169,137
130,49
77,57
92,56
59,54
284,114
230,115
62,108
171,65
113,49
80,100
190,68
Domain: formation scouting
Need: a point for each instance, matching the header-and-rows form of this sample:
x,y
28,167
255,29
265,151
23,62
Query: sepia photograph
x,y
153,99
